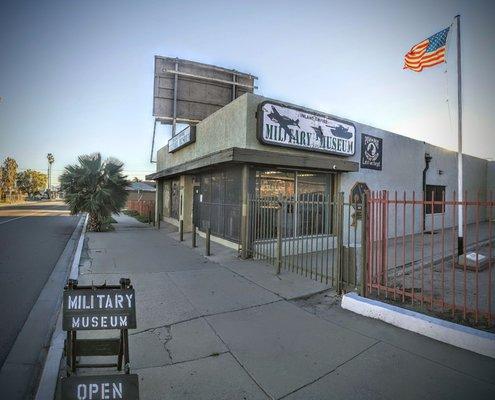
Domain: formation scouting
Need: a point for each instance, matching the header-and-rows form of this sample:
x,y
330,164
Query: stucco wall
x,y
221,130
490,179
403,163
403,159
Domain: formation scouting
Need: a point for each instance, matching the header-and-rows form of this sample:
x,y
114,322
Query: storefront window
x,y
275,183
309,183
313,210
313,193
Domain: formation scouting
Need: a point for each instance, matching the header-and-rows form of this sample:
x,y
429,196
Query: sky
x,y
76,77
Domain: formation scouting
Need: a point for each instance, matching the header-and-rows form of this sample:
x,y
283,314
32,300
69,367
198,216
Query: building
x,y
141,191
256,146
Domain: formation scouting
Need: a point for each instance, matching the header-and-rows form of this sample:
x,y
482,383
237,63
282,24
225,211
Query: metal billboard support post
x,y
174,123
153,142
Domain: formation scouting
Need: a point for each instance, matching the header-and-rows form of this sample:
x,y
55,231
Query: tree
x,y
9,175
96,187
31,181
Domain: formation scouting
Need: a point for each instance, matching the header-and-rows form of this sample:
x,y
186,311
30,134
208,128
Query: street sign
x,y
182,139
110,387
99,308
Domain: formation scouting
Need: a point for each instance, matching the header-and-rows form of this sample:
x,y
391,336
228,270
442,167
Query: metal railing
x,y
306,234
412,254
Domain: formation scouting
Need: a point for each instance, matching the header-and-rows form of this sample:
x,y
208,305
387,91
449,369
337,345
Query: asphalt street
x,y
32,238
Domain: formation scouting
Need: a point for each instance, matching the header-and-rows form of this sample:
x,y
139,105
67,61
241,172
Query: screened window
x,y
175,199
220,202
435,193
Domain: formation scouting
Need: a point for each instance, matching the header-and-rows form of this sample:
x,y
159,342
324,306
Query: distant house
x,y
139,191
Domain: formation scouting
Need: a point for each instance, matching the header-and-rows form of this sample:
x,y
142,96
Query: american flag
x,y
427,53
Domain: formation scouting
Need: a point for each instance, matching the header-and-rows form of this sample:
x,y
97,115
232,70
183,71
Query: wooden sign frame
x,y
119,347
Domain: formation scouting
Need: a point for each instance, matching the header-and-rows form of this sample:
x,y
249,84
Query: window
x,y
220,204
175,199
435,193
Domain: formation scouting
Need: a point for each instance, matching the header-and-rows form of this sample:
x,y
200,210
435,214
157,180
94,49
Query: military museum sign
x,y
288,126
88,309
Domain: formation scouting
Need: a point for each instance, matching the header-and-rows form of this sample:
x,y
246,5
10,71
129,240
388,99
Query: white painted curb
x,y
74,269
49,375
471,339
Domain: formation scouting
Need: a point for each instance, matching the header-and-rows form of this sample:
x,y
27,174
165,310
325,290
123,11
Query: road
x,y
32,238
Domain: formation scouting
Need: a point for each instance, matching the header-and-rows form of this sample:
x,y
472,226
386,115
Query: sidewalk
x,y
223,328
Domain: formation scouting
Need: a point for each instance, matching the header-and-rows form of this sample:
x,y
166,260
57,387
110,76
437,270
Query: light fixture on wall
x,y
440,172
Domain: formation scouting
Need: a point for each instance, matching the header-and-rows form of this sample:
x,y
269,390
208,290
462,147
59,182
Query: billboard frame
x,y
239,80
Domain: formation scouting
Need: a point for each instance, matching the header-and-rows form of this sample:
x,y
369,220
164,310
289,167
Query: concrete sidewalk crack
x,y
182,362
137,332
165,337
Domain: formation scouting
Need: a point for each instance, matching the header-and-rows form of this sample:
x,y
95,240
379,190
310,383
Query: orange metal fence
x,y
412,253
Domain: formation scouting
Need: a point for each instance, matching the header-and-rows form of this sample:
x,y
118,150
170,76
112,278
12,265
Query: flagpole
x,y
460,233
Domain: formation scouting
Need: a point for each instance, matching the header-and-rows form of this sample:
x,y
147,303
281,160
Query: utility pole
x,y
50,159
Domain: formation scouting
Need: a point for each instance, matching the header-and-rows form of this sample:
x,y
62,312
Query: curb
x,y
74,269
49,376
467,338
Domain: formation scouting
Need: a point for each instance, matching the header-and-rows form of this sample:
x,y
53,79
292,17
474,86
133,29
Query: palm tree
x,y
96,187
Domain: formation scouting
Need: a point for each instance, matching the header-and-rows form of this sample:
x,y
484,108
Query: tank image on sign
x,y
282,125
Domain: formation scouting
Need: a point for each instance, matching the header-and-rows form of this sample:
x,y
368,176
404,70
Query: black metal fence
x,y
306,234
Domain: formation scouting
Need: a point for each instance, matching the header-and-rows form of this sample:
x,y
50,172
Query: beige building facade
x,y
207,173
